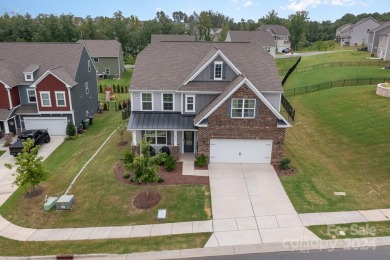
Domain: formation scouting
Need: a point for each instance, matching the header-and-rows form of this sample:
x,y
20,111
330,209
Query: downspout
x,y
9,98
71,105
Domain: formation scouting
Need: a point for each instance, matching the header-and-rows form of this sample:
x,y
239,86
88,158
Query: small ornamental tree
x,y
30,171
122,129
70,129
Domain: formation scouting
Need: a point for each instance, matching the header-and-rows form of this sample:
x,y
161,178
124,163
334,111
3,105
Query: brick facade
x,y
135,149
175,152
221,126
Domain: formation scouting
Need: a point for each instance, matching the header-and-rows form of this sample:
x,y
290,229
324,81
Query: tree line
x,y
134,34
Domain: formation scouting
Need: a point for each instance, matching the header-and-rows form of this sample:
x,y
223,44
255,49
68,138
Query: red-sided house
x,y
45,85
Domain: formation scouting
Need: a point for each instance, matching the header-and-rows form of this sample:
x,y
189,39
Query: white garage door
x,y
55,125
240,151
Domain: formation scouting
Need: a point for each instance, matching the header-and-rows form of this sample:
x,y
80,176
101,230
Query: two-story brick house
x,y
217,99
45,85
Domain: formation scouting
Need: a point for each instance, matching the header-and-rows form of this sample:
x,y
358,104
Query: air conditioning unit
x,y
65,202
50,203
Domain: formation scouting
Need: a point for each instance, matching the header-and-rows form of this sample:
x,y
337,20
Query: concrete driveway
x,y
250,206
6,178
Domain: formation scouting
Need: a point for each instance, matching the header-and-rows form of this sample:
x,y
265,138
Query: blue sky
x,y
319,10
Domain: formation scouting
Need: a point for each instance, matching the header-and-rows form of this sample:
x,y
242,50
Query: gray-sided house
x,y
384,45
280,34
172,38
356,34
218,99
107,56
374,35
264,39
45,85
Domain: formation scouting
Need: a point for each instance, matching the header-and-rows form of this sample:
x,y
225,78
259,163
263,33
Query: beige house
x,y
384,45
107,56
265,39
280,34
356,34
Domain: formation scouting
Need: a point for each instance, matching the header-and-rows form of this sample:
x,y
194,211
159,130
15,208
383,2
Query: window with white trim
x,y
96,59
89,66
86,88
243,108
107,71
156,137
190,103
167,100
45,99
60,99
31,96
147,101
218,70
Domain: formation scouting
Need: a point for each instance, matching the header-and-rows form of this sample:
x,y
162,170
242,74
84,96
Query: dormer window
x,y
28,77
218,70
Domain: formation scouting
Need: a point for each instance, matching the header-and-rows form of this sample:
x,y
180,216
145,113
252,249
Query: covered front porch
x,y
172,130
8,123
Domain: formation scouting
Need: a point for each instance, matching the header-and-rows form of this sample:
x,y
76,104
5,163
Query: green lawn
x,y
2,152
338,143
303,79
123,81
339,56
101,200
109,246
353,230
284,64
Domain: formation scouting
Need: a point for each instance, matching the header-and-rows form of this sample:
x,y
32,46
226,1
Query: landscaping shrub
x,y
120,106
170,163
105,106
160,158
100,88
201,160
143,166
124,105
126,175
129,158
285,164
70,129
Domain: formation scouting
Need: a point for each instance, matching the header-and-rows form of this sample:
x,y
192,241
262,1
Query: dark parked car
x,y
39,136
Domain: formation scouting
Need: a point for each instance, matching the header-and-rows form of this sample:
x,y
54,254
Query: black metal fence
x,y
288,107
334,64
334,84
126,113
291,70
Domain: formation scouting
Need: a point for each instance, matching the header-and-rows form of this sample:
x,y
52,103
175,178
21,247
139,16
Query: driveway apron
x,y
250,206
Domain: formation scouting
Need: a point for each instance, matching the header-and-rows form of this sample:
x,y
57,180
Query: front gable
x,y
4,98
51,85
208,73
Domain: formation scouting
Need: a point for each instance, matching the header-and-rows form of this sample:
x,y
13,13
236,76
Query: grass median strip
x,y
111,246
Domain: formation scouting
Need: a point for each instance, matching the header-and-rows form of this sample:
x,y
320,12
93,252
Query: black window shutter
x,y
257,108
143,134
229,108
169,138
224,67
211,70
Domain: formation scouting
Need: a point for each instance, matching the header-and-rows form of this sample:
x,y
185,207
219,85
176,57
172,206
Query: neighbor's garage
x,y
240,151
55,125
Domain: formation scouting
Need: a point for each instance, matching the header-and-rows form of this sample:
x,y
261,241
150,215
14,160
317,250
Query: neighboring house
x,y
384,45
107,56
373,36
45,85
265,39
215,33
280,34
217,99
343,34
172,38
356,34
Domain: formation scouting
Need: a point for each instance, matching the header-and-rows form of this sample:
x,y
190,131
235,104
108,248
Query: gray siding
x,y
201,101
205,74
23,95
274,99
374,38
111,63
81,102
359,34
157,101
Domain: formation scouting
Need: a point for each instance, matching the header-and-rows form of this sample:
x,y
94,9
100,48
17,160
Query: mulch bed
x,y
201,168
288,172
174,177
146,199
122,143
33,193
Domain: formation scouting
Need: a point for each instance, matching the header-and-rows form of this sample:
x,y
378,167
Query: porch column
x,y
134,135
175,137
6,128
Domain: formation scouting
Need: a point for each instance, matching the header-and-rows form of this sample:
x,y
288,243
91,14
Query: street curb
x,y
297,246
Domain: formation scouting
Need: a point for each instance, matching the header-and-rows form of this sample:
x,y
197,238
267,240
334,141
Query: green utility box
x,y
86,123
50,203
65,202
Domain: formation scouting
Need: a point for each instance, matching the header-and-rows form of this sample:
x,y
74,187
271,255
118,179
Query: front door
x,y
188,142
12,126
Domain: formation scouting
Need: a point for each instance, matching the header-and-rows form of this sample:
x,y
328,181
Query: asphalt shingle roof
x,y
167,65
279,29
102,48
16,57
260,37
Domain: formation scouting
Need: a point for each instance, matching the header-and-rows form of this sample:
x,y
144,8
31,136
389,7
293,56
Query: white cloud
x,y
158,9
299,5
241,3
